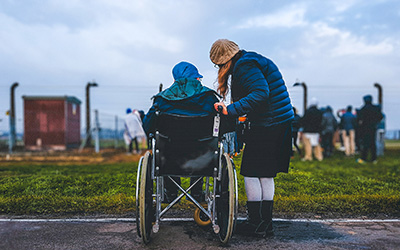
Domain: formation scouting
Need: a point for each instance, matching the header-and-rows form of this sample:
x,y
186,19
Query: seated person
x,y
186,96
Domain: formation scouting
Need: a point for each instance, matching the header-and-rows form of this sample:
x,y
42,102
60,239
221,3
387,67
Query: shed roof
x,y
68,98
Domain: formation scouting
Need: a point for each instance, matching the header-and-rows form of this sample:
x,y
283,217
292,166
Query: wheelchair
x,y
187,146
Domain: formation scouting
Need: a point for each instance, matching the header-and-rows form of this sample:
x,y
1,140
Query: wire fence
x,y
106,132
108,127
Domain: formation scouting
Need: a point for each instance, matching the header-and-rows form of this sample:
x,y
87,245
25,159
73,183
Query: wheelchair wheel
x,y
137,196
200,218
146,208
226,203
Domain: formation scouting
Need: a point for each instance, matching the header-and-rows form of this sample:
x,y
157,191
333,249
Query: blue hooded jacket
x,y
259,91
186,96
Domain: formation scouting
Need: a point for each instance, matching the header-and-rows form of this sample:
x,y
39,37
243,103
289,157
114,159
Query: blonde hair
x,y
224,72
223,76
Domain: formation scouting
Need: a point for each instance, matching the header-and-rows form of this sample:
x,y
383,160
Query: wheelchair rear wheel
x,y
226,203
145,211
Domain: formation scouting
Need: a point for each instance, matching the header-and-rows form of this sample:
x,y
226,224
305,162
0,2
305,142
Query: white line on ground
x,y
191,219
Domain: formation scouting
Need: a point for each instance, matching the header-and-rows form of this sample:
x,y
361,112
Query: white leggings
x,y
258,189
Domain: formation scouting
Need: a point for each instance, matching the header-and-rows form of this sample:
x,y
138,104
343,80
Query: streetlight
x,y
12,117
379,87
305,94
88,134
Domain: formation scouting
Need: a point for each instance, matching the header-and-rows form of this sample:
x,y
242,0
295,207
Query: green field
x,y
335,187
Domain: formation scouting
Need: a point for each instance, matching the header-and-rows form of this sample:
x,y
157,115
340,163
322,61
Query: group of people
x,y
361,131
258,92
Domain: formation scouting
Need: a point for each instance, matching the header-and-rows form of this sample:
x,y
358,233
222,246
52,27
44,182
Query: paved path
x,y
121,234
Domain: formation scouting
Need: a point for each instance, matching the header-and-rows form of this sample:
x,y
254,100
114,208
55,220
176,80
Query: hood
x,y
184,88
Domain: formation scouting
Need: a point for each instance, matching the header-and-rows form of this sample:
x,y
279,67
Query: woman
x,y
258,91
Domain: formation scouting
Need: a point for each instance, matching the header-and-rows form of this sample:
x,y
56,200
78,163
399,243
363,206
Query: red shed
x,y
51,122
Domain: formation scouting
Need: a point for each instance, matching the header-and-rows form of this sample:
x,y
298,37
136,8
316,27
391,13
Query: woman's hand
x,y
224,110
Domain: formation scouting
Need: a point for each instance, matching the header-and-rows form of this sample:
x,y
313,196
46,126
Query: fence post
x,y
96,131
116,133
12,136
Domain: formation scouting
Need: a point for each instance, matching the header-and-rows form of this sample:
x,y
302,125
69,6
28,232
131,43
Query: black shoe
x,y
265,227
249,227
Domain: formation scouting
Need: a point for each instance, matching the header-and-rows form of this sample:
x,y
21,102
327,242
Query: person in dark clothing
x,y
295,130
329,125
368,118
258,91
311,124
186,96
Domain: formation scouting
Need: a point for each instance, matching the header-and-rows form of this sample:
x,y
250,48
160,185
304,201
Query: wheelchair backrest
x,y
185,145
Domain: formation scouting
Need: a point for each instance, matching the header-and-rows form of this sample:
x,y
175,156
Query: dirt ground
x,y
73,156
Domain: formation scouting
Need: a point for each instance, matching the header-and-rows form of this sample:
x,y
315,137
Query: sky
x,y
339,48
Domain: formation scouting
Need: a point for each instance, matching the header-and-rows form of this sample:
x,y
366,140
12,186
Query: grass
x,y
337,186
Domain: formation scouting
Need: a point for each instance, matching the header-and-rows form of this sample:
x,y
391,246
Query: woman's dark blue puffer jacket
x,y
259,91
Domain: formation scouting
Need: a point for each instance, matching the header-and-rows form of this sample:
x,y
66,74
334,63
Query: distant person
x,y
186,96
368,119
134,132
295,129
348,123
141,114
339,114
380,137
329,125
311,124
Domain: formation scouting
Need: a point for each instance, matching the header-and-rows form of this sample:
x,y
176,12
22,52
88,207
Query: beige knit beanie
x,y
222,51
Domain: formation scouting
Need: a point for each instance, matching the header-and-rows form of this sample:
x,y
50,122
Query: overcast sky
x,y
339,48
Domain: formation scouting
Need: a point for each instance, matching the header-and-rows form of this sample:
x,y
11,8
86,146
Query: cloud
x,y
341,6
344,43
285,18
111,46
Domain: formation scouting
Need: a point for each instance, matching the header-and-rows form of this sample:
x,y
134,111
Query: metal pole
x,y
88,132
96,131
12,135
304,94
116,132
160,87
380,99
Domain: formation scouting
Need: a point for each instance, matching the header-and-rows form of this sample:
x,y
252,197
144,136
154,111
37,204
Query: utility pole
x,y
304,94
88,132
96,131
380,99
116,133
12,118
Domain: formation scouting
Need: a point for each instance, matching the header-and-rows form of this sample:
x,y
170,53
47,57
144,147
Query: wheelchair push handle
x,y
220,109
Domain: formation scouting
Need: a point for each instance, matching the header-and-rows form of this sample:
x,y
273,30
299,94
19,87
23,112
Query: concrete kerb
x,y
191,219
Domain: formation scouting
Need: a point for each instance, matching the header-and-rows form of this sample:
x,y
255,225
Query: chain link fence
x,y
106,133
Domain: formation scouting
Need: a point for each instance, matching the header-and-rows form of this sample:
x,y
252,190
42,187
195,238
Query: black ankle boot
x,y
249,226
265,228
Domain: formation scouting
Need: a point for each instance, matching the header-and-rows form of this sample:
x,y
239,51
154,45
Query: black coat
x,y
311,121
368,118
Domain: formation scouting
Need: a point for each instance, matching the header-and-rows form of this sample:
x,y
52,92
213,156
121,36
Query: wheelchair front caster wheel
x,y
200,218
